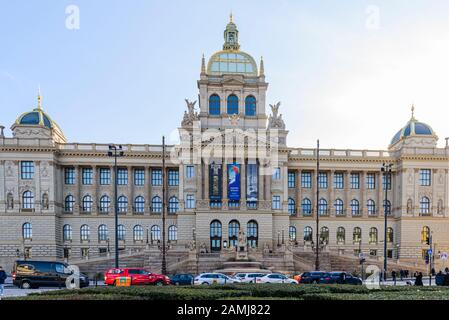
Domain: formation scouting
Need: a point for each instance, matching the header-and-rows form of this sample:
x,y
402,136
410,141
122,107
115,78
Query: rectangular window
x,y
190,172
27,170
122,176
277,173
322,180
139,177
291,179
156,177
190,201
105,176
173,177
306,180
276,203
355,181
338,180
425,177
87,176
69,176
371,181
386,183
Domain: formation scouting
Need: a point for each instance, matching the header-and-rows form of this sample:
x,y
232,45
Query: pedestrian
x,y
3,277
433,272
401,274
418,281
393,275
446,280
446,270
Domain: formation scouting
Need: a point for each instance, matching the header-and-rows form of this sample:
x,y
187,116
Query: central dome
x,y
413,128
232,62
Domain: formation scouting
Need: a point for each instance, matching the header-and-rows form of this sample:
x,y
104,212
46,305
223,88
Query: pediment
x,y
237,80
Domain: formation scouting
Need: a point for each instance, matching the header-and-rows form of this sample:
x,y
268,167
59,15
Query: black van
x,y
34,274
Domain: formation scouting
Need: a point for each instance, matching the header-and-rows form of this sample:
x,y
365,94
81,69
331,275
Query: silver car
x,y
214,278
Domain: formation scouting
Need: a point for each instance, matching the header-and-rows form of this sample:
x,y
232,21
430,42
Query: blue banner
x,y
251,182
234,182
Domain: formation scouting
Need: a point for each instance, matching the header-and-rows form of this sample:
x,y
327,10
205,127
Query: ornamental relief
x,y
9,168
44,169
31,133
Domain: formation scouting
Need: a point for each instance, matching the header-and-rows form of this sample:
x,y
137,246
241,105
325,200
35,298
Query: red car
x,y
139,276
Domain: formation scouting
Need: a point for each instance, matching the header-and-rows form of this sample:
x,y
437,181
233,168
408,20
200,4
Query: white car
x,y
249,277
276,278
214,278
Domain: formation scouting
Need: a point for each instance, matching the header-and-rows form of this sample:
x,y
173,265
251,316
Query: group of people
x,y
3,277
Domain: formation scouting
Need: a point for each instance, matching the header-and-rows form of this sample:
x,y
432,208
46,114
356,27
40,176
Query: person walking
x,y
401,274
3,277
418,281
393,275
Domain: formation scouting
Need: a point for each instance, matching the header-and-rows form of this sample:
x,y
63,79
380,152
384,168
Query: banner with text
x,y
215,182
234,182
251,182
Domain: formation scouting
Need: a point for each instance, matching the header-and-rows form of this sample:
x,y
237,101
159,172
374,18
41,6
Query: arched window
x,y
67,232
233,104
233,230
69,203
122,204
250,106
306,207
341,235
424,205
308,234
322,207
387,207
27,200
121,232
371,206
155,233
292,233
102,233
324,235
87,203
27,231
105,204
156,204
373,236
291,206
173,205
390,235
355,207
425,235
138,233
252,233
139,204
215,235
357,235
85,232
338,204
172,233
214,105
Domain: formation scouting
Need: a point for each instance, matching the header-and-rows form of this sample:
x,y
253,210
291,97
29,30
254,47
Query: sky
x,y
346,72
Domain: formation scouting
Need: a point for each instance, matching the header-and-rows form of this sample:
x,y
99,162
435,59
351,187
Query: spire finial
x,y
39,98
203,65
230,17
261,68
413,111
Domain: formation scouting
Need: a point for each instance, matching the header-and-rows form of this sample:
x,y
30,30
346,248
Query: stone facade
x,y
278,215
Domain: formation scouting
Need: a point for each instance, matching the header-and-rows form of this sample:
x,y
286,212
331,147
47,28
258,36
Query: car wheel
x,y
159,283
176,283
25,285
206,283
314,282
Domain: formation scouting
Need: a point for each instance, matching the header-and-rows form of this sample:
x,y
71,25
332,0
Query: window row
x,y
252,234
105,176
340,235
232,105
138,206
103,234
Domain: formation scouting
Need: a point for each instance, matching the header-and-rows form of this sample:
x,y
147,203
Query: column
x,y
147,187
347,199
313,197
95,189
331,193
130,190
260,182
243,186
37,186
364,197
78,199
206,180
298,191
225,184
181,187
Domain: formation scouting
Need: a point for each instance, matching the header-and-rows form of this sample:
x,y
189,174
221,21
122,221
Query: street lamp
x,y
386,169
115,151
164,202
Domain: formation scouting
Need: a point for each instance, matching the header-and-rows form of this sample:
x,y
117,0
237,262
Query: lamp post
x,y
164,202
115,151
386,169
317,248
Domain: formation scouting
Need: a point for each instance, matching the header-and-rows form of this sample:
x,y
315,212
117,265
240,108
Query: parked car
x,y
275,278
214,278
310,277
28,274
340,277
248,277
182,279
139,276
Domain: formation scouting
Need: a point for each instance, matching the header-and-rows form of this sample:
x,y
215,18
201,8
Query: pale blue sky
x,y
124,75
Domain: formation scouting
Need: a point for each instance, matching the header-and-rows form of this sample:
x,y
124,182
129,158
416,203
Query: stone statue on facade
x,y
190,115
275,120
203,248
45,204
10,201
234,119
409,206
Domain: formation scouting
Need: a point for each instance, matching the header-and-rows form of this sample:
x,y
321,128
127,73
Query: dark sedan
x,y
182,279
311,277
340,277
